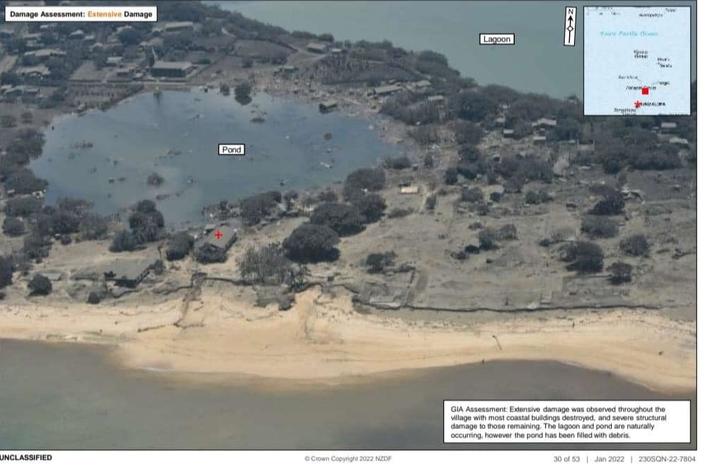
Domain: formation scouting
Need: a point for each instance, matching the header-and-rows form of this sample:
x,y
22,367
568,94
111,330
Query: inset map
x,y
637,60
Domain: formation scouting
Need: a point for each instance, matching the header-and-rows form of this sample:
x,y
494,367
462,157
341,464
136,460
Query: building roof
x,y
178,24
387,89
45,53
328,104
52,275
38,69
163,65
128,269
668,125
224,241
316,46
679,141
545,122
409,190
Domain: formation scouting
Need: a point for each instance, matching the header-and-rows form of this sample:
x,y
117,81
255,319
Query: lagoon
x,y
74,397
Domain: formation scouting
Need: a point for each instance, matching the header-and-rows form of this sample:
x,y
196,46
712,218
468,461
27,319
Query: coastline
x,y
323,340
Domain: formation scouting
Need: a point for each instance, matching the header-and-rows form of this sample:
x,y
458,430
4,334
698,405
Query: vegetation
x,y
371,207
39,285
154,179
525,169
23,181
36,247
344,219
507,232
269,266
431,202
209,254
93,226
398,163
612,203
620,272
312,243
471,105
6,271
179,246
256,208
451,176
377,262
467,133
599,227
242,93
22,206
583,257
487,239
95,297
124,240
537,197
146,222
635,245
13,226
363,180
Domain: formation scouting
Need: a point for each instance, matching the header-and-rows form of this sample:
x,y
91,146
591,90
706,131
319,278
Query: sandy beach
x,y
323,339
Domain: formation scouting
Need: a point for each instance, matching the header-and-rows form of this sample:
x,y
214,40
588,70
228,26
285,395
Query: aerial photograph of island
x,y
304,225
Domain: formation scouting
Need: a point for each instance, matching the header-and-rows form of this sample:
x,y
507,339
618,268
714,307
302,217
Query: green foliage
x,y
269,266
23,181
6,271
472,106
257,207
179,246
371,207
22,206
13,226
635,245
599,227
620,272
363,180
344,219
312,243
377,262
583,257
124,240
39,285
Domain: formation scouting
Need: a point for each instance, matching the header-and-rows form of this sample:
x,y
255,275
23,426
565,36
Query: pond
x,y
107,157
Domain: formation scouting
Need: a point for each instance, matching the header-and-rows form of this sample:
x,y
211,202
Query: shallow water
x,y
72,396
133,139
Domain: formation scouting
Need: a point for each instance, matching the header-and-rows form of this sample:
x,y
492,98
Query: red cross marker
x,y
645,90
218,234
637,104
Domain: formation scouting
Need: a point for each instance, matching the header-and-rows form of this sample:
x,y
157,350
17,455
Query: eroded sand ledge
x,y
322,338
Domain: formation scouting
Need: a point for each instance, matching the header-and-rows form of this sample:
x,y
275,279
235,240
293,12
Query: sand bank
x,y
323,339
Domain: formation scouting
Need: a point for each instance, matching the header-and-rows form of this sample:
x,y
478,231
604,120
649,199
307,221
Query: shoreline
x,y
323,340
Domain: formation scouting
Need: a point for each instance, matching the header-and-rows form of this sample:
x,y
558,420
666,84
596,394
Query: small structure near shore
x,y
327,106
220,238
171,69
317,47
128,273
386,90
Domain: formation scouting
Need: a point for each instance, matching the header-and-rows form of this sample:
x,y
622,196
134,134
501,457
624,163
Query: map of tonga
x,y
637,60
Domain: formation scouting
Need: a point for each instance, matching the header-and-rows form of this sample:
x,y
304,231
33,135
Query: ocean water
x,y
73,397
537,63
176,135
